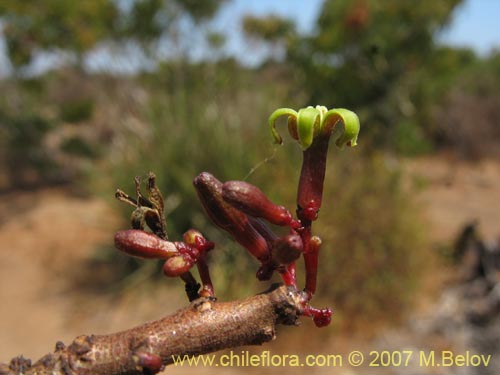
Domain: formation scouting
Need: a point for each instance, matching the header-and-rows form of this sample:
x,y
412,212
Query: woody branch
x,y
203,327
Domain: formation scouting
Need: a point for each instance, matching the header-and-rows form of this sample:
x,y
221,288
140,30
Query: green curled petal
x,y
272,122
308,125
347,134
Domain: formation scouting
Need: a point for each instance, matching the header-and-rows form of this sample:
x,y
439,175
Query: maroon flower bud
x,y
178,265
149,361
195,239
144,245
228,218
252,201
287,249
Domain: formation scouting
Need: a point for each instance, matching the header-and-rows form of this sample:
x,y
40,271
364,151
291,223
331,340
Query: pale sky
x,y
476,23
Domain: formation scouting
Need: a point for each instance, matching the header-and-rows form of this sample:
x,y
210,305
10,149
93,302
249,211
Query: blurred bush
x,y
25,162
378,58
47,129
374,250
469,117
77,110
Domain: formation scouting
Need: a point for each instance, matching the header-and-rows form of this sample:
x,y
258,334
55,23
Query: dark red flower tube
x,y
228,218
141,244
312,176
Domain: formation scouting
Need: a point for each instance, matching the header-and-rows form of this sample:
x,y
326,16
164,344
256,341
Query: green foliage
x,y
23,127
409,139
78,26
200,10
77,110
468,115
79,147
216,40
148,20
23,156
141,22
35,136
271,28
372,56
54,24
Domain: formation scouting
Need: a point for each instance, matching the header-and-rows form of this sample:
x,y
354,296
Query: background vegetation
x,y
95,130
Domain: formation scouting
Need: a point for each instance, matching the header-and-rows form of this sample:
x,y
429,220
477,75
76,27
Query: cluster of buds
x,y
243,211
179,256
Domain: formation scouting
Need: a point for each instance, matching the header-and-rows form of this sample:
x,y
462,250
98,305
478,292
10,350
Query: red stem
x,y
208,288
311,264
288,275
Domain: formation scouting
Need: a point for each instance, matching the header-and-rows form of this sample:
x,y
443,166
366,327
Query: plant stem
x,y
203,327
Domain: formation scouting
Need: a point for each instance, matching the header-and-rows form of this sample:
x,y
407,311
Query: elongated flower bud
x,y
252,201
263,230
144,245
228,218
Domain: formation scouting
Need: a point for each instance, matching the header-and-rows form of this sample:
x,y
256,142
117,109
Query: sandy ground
x,y
50,235
46,236
455,193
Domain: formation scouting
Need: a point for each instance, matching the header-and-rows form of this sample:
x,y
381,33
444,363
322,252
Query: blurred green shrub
x,y
77,146
75,111
24,159
374,245
381,59
36,146
410,139
468,117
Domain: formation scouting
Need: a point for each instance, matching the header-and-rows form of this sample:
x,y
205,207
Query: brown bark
x,y
204,326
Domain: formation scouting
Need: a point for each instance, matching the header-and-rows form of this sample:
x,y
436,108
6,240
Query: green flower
x,y
311,122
